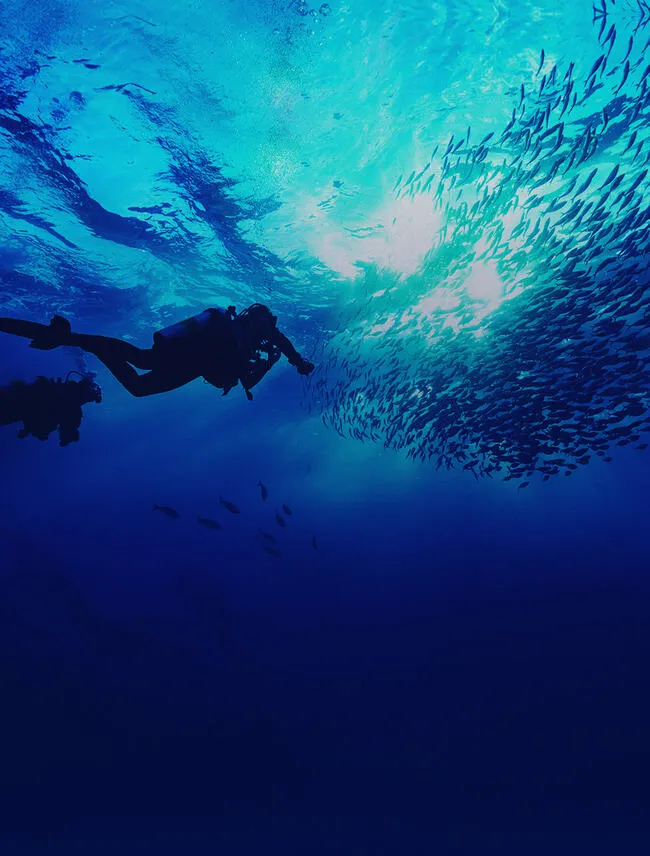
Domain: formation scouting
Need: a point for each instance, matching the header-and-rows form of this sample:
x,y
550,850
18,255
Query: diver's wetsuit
x,y
227,351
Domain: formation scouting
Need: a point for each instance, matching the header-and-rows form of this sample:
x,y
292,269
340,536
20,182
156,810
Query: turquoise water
x,y
446,206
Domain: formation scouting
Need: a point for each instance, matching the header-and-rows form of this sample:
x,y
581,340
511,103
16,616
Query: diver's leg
x,y
57,333
115,350
152,382
119,357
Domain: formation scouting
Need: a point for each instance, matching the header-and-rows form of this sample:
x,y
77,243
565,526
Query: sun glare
x,y
404,230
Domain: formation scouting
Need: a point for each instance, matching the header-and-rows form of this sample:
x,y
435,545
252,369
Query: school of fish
x,y
267,541
554,209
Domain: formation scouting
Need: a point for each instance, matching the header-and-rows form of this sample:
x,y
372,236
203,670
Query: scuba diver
x,y
46,404
223,347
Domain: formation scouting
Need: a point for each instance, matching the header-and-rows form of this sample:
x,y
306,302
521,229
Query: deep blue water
x,y
460,666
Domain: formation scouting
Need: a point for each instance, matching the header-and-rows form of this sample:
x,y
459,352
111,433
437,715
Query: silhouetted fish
x,y
263,490
287,510
268,536
280,519
167,510
232,508
272,551
208,522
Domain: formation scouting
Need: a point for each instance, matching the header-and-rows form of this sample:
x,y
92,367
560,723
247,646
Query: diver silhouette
x,y
45,405
223,347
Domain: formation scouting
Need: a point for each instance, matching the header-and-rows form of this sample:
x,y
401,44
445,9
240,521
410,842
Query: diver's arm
x,y
280,341
255,371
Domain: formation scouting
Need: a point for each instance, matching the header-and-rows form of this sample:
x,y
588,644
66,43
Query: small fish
x,y
626,72
280,519
541,62
272,551
587,182
268,536
523,484
610,177
630,143
629,49
313,541
232,508
208,523
596,65
610,35
287,510
263,490
167,510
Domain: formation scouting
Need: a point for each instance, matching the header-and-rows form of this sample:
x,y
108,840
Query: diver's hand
x,y
305,367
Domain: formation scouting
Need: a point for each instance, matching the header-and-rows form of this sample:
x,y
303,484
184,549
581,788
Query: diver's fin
x,y
57,333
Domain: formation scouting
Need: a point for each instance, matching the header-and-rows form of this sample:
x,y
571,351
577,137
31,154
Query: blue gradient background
x,y
461,667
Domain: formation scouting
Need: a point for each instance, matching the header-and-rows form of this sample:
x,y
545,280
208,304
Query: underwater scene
x,y
325,407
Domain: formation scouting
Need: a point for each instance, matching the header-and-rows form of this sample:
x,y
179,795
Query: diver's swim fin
x,y
44,336
57,333
18,327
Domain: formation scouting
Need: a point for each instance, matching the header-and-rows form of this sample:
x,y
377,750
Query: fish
x,y
208,522
264,492
541,62
230,506
610,177
287,510
280,519
489,137
629,49
586,182
611,36
167,510
315,545
272,551
596,66
626,72
271,538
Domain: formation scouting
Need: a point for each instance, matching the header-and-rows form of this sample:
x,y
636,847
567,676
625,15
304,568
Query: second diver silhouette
x,y
46,405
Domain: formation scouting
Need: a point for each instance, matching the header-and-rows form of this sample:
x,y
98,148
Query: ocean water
x,y
446,206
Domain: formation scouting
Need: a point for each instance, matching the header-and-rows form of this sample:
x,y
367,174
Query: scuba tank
x,y
194,328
